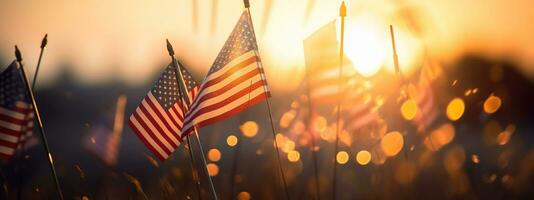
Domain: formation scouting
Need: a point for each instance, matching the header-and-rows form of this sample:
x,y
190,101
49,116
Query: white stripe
x,y
7,150
174,115
8,138
22,104
12,114
224,82
217,112
225,68
159,123
147,137
12,126
242,86
162,111
153,129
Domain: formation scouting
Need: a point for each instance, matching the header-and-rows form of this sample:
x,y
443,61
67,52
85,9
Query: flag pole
x,y
188,102
286,192
195,174
43,45
39,122
342,14
399,77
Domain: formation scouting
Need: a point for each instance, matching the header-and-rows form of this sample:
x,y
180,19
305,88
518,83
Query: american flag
x,y
321,52
235,81
104,138
157,121
16,116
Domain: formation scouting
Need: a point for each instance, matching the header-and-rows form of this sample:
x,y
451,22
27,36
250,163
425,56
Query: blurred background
x,y
459,125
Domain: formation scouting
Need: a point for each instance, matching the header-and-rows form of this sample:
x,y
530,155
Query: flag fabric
x,y
321,52
16,116
104,138
157,121
234,82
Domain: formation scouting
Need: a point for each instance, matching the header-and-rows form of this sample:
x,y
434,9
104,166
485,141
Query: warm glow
x,y
455,109
319,123
243,196
363,157
505,135
231,140
342,157
249,129
440,137
214,155
293,156
213,169
409,109
286,118
454,159
392,143
492,104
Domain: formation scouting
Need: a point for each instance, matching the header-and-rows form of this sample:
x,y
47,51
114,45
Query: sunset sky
x,y
125,39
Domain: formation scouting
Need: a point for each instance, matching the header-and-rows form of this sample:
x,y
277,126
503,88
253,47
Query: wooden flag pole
x,y
188,102
286,192
342,14
39,122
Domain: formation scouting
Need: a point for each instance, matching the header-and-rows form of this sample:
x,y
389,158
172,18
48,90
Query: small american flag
x,y
235,81
321,52
157,121
16,116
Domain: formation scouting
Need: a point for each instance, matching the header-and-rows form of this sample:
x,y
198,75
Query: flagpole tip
x,y
247,3
169,48
45,41
343,10
18,55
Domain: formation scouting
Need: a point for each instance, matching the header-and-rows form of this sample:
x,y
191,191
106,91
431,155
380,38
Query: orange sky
x,y
101,38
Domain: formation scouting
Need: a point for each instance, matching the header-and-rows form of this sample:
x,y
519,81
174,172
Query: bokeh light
x,y
392,143
249,129
342,157
363,157
213,169
293,156
409,109
232,140
214,155
492,104
455,109
243,196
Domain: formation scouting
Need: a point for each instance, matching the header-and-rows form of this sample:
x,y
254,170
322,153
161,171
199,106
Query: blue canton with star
x,y
241,40
166,90
12,88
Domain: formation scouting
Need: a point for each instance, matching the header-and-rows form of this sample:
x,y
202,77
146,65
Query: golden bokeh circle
x,y
231,140
214,155
392,143
342,157
293,156
213,169
249,129
363,157
455,109
492,104
409,109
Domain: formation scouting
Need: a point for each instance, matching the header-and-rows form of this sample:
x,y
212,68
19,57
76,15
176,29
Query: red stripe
x,y
176,121
224,89
162,119
236,110
5,156
9,132
231,71
143,139
152,134
10,119
8,144
158,127
224,102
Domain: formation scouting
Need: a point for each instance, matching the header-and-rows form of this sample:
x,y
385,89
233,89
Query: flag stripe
x,y
155,128
146,139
